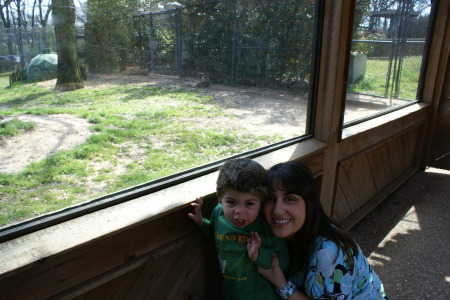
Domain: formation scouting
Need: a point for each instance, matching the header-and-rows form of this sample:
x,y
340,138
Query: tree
x,y
41,19
68,71
6,21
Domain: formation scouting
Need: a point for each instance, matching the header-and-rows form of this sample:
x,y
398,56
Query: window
x,y
387,57
168,90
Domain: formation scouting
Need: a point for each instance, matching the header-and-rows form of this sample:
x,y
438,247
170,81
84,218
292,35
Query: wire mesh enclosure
x,y
270,46
391,63
18,46
239,42
159,41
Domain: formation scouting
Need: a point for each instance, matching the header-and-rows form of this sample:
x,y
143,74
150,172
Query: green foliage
x,y
362,47
108,34
271,39
361,15
417,27
362,12
280,33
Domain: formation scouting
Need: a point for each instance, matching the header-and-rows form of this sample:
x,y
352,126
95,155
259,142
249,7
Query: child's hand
x,y
197,215
253,244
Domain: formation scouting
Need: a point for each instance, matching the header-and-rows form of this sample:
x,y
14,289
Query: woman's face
x,y
285,213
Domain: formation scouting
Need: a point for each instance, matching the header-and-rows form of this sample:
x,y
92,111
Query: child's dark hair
x,y
296,178
243,175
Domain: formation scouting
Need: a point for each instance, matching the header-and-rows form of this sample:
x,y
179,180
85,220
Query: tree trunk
x,y
68,71
6,21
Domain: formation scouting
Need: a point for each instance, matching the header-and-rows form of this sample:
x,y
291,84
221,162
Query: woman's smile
x,y
281,222
285,213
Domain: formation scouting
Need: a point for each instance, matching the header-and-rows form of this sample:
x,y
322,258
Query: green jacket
x,y
241,279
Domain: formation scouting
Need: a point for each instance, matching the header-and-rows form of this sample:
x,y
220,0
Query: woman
x,y
326,263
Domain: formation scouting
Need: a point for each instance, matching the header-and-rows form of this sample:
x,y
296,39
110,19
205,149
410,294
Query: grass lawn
x,y
374,80
160,124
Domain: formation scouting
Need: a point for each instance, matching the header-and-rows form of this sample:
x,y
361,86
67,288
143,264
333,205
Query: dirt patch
x,y
51,134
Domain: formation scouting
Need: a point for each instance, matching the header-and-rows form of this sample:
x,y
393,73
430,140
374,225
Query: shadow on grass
x,y
142,92
20,100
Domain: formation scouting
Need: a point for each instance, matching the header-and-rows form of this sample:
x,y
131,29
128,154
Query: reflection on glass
x,y
166,87
386,57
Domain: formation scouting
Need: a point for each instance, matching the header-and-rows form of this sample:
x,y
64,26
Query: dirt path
x,y
51,134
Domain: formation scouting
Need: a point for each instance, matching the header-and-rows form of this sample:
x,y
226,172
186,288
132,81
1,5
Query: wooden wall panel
x,y
343,209
181,273
437,91
66,271
366,174
379,170
117,288
440,148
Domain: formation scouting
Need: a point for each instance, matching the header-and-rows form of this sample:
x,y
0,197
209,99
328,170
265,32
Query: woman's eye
x,y
250,203
290,199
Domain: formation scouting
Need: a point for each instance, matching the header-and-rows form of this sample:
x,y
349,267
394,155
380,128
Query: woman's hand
x,y
197,216
275,275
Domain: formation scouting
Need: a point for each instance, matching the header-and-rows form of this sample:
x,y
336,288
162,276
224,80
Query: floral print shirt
x,y
330,276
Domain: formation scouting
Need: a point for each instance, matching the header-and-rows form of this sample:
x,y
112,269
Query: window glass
x,y
387,56
100,96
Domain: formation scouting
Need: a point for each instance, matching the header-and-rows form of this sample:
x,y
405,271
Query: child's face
x,y
241,209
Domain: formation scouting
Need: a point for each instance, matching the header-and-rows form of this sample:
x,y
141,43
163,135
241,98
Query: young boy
x,y
243,240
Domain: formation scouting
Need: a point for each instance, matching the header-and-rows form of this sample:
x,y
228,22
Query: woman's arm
x,y
276,276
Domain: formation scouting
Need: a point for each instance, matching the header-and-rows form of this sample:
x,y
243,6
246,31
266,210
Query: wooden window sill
x,y
383,120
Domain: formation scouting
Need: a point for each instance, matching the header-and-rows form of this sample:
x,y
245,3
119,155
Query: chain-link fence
x,y
19,46
158,41
241,42
238,42
387,68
